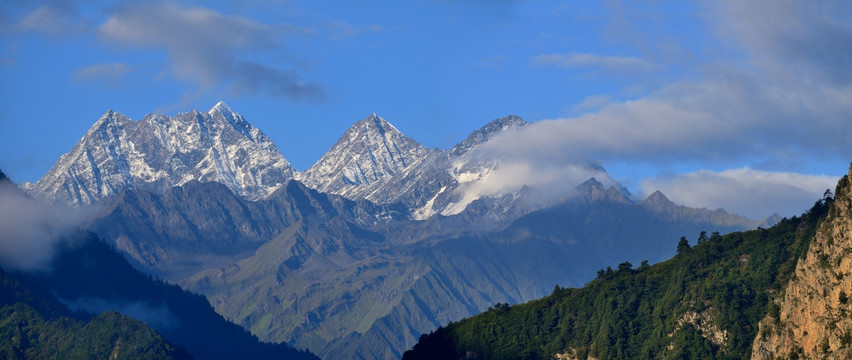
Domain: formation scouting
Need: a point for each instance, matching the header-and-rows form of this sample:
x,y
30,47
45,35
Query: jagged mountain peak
x,y
487,132
374,123
657,197
369,152
593,190
160,151
770,221
658,202
221,107
591,186
110,118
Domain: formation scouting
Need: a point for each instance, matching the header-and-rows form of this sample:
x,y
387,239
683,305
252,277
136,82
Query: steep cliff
x,y
813,319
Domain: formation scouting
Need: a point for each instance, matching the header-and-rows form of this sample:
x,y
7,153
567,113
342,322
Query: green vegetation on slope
x,y
704,303
34,325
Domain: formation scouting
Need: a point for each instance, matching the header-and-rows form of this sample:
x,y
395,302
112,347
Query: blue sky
x,y
733,104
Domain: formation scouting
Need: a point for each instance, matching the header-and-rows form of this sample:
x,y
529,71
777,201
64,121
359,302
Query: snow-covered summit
x,y
487,132
220,107
369,153
159,151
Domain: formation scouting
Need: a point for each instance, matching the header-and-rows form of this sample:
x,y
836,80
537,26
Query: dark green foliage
x,y
702,237
846,339
640,314
33,325
774,311
715,235
683,245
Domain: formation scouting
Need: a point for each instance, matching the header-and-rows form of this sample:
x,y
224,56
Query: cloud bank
x,y
492,177
753,193
776,96
29,231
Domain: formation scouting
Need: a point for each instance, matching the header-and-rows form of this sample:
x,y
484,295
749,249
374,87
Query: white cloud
x,y
776,96
753,193
591,103
210,48
762,107
641,128
29,231
504,176
506,164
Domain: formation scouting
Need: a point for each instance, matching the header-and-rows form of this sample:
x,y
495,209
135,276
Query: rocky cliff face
x,y
814,320
159,152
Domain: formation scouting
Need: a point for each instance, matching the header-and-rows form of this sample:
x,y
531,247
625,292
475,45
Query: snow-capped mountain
x,y
487,132
510,185
159,151
374,161
365,158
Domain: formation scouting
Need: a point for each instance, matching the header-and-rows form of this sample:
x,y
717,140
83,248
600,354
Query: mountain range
x,y
380,241
159,152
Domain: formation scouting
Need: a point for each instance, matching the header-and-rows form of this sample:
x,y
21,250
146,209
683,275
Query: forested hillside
x,y
704,303
35,325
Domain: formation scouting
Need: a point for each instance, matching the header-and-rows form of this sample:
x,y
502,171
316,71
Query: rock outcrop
x,y
813,321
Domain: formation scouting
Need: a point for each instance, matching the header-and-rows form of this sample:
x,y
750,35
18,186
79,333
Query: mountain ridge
x,y
159,151
372,160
